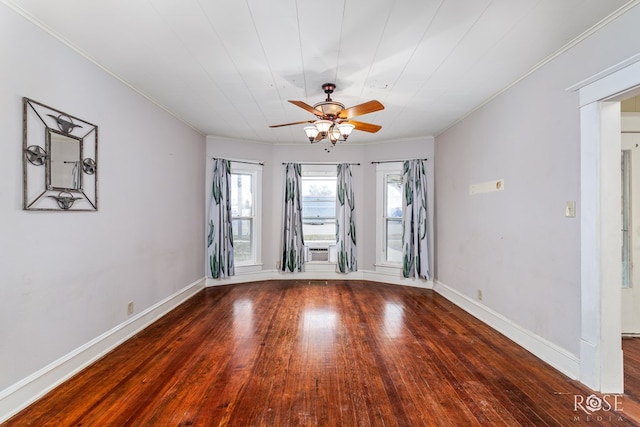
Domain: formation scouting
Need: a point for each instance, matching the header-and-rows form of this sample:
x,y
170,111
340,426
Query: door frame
x,y
601,362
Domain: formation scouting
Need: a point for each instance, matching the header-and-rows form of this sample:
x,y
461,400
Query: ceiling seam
x,y
424,34
515,24
304,73
584,35
186,47
266,59
235,66
335,74
92,60
382,33
462,37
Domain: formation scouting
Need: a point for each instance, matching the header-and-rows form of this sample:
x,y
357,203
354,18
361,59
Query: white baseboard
x,y
396,279
589,358
246,277
321,272
26,391
313,273
559,358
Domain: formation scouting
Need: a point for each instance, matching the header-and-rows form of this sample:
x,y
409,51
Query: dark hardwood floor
x,y
298,353
631,350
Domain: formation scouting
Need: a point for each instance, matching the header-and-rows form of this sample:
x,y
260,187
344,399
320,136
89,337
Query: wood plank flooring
x,y
631,350
300,353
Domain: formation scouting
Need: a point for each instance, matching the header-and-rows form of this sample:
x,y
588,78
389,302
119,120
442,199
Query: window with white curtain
x,y
245,213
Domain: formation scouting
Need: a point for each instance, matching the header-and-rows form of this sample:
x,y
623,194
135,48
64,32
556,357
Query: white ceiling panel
x,y
229,68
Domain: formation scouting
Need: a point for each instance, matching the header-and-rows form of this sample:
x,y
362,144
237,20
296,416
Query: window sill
x,y
392,269
319,266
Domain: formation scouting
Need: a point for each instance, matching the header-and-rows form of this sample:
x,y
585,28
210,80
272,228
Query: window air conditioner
x,y
320,253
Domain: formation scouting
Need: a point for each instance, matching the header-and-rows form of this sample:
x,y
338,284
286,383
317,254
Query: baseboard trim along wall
x,y
557,357
321,271
26,391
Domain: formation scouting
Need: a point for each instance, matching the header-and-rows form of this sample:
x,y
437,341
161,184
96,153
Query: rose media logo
x,y
597,408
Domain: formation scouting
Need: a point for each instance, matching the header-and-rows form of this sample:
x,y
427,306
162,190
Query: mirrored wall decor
x,y
60,160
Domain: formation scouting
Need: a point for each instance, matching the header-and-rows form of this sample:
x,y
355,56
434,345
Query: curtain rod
x,y
239,161
394,161
323,164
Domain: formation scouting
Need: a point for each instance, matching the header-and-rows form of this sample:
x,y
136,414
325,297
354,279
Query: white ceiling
x,y
228,67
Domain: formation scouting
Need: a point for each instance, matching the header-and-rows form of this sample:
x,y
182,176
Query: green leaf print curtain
x,y
345,221
293,240
220,235
414,220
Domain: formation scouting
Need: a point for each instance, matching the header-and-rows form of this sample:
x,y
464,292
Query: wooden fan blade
x,y
361,109
366,127
289,124
307,107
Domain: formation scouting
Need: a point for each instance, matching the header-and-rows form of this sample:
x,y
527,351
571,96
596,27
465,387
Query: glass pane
x,y
393,240
626,222
393,199
319,208
315,230
242,245
241,195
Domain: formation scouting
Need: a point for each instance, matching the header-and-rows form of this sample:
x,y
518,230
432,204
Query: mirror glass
x,y
65,162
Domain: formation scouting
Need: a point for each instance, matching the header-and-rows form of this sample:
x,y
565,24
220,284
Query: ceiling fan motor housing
x,y
329,108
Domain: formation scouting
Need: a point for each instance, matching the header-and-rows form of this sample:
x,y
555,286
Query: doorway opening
x,y
630,209
601,357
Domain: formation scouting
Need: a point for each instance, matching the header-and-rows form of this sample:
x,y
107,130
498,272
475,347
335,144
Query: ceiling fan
x,y
333,120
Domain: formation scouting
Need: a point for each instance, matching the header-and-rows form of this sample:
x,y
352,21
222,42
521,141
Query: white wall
x,y
66,277
364,177
516,246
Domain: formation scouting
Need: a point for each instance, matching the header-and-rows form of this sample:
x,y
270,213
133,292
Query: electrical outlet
x,y
479,295
130,308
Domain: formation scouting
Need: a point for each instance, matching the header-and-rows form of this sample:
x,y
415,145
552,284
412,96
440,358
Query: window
x,y
389,214
319,203
626,218
245,219
393,217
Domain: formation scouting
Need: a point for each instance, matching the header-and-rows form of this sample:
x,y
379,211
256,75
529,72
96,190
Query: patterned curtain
x,y
415,220
220,236
293,240
345,221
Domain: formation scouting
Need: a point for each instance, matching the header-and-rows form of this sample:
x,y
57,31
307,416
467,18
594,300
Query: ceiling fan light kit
x,y
333,121
311,132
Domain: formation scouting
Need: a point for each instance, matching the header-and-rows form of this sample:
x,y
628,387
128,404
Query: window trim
x,y
382,171
255,171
